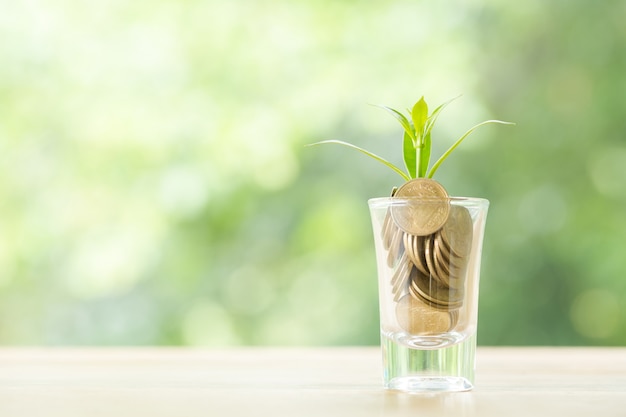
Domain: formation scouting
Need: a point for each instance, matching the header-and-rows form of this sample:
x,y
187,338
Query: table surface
x,y
300,382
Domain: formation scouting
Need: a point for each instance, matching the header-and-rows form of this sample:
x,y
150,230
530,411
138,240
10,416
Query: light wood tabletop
x,y
300,382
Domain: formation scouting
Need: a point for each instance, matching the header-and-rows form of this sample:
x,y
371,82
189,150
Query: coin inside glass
x,y
430,290
395,247
426,208
457,232
417,318
400,278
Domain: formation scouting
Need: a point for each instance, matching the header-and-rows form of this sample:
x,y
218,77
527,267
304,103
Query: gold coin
x,y
442,252
388,225
457,232
408,245
413,246
418,247
418,296
402,263
417,318
385,233
442,270
426,209
394,247
457,277
443,264
387,230
454,318
400,277
416,293
451,268
428,257
436,293
441,249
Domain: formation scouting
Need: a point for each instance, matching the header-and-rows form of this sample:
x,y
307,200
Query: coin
x,y
388,226
427,207
442,268
454,318
457,232
416,318
400,278
420,254
415,292
442,252
395,247
414,247
434,272
429,243
435,293
448,267
457,276
387,230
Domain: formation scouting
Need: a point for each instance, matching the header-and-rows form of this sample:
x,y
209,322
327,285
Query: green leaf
x,y
419,115
435,114
368,153
458,142
403,121
410,159
416,140
424,156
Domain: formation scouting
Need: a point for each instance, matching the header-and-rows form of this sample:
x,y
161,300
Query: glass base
x,y
412,369
431,384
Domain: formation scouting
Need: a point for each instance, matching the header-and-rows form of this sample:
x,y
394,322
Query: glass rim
x,y
382,202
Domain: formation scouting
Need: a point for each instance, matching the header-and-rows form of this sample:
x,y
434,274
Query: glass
x,y
428,255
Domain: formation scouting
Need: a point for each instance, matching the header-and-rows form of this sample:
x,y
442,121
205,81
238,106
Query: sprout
x,y
416,140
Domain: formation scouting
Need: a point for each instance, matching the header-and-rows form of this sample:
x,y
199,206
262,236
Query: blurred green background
x,y
155,186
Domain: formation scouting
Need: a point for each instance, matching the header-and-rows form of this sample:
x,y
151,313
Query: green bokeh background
x,y
156,190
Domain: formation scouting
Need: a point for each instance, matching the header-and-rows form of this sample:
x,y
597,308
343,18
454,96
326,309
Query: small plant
x,y
416,143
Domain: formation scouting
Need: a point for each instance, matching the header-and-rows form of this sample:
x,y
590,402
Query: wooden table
x,y
300,382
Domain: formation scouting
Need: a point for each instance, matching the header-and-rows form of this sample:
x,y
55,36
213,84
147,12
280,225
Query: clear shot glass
x,y
428,255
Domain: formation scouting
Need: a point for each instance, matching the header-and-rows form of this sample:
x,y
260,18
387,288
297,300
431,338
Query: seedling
x,y
416,140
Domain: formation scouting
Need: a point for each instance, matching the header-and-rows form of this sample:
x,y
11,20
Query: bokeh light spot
x,y
608,172
248,291
596,313
543,210
208,324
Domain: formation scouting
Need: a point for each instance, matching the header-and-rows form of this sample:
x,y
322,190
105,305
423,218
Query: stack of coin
x,y
417,318
428,243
